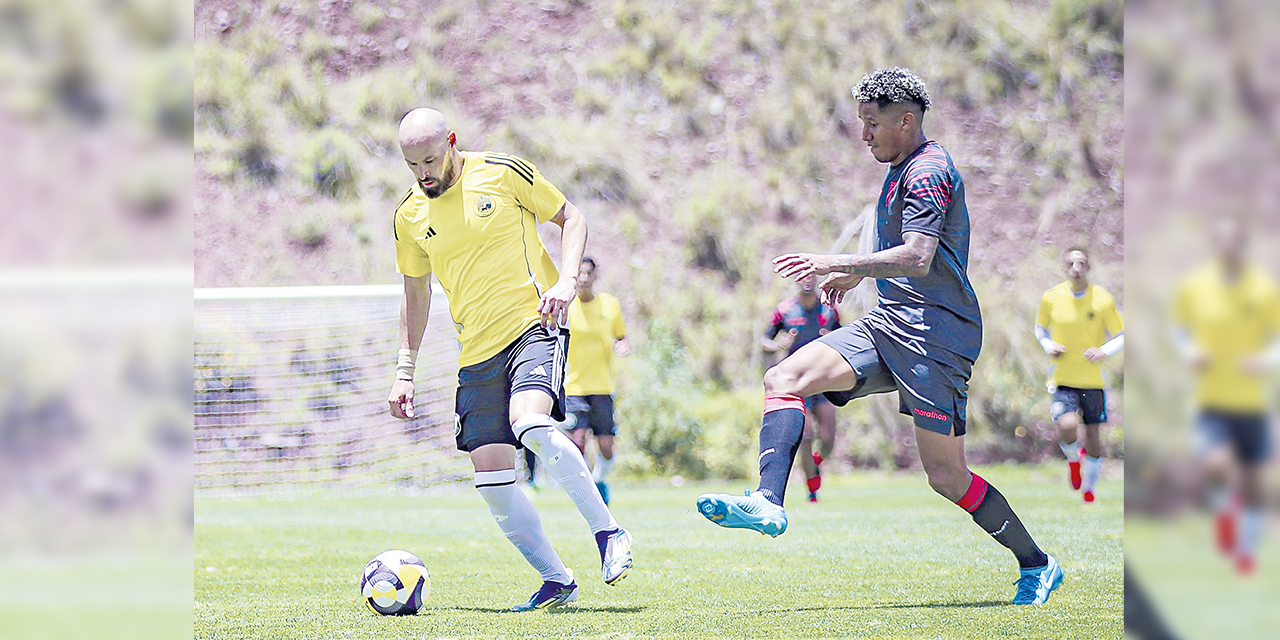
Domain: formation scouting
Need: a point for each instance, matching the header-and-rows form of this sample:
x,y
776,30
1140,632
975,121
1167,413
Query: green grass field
x,y
1195,588
95,596
881,556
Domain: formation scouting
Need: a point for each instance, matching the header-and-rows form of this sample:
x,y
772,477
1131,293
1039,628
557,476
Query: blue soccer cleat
x,y
550,596
749,511
1037,583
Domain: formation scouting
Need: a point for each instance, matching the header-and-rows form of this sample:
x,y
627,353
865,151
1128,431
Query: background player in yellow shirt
x,y
1078,325
471,220
1227,327
595,321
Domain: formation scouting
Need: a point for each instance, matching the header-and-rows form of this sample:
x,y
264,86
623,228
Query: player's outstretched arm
x,y
554,306
911,259
415,307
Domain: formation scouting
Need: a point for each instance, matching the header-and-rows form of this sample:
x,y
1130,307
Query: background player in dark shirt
x,y
797,321
921,340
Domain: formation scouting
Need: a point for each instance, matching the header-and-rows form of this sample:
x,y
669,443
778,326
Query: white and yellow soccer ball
x,y
395,583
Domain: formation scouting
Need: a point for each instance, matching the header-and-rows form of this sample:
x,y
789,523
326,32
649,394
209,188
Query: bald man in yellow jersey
x,y
471,220
1227,327
1078,325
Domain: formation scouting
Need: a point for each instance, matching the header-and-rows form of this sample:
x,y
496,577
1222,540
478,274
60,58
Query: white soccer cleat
x,y
615,554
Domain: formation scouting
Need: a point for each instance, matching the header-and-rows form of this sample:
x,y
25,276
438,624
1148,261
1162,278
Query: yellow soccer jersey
x,y
480,240
593,327
1229,321
1078,324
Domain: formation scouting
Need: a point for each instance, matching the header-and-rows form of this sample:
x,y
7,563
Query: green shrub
x,y
311,229
657,408
329,160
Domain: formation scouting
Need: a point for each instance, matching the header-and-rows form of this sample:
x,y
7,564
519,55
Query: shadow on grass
x,y
608,609
571,609
919,605
944,605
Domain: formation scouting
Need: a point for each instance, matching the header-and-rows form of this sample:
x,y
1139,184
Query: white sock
x,y
520,522
565,463
1090,469
1250,531
1071,451
1219,499
601,468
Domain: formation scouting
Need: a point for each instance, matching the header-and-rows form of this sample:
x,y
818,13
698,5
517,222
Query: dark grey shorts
x,y
1247,434
1091,404
536,360
594,413
934,394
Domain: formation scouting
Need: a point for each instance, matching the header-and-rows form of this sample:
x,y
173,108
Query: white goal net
x,y
291,389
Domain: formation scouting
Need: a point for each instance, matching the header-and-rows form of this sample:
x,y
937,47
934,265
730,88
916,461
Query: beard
x,y
442,184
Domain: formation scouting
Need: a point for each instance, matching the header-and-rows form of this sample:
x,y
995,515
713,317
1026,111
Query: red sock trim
x,y
973,497
779,401
814,483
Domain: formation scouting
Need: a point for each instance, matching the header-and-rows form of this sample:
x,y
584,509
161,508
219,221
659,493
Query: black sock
x,y
993,513
779,438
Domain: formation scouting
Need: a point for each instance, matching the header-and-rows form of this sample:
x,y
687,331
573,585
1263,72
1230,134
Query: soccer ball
x,y
395,583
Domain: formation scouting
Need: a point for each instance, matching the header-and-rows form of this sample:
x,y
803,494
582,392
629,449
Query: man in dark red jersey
x,y
921,340
797,321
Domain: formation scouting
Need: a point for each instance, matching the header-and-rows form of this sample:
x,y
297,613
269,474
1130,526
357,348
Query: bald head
x,y
430,150
423,127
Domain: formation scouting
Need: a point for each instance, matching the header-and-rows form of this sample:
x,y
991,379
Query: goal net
x,y
291,388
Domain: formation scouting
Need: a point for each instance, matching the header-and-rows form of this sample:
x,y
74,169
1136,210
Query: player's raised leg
x,y
495,479
532,424
1068,436
815,368
1219,467
942,456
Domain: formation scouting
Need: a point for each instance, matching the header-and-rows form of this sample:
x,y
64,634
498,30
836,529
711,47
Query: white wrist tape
x,y
1113,346
1042,336
406,364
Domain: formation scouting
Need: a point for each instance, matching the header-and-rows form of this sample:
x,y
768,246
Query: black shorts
x,y
536,360
934,393
1091,404
593,412
1248,434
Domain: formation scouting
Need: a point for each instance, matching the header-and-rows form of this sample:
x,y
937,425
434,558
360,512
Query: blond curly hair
x,y
891,86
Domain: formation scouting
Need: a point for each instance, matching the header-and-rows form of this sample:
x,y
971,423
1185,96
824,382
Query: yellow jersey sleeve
x,y
1112,321
1044,317
1271,308
532,191
411,259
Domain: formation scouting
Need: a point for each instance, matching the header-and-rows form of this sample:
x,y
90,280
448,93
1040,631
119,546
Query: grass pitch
x,y
1195,589
881,556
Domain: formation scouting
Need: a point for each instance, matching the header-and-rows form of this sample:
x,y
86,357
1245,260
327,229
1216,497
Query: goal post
x,y
291,388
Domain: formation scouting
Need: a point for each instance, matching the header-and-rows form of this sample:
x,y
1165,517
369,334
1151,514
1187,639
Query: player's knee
x,y
949,484
781,379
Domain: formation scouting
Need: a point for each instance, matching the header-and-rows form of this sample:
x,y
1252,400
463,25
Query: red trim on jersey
x,y
779,401
974,496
